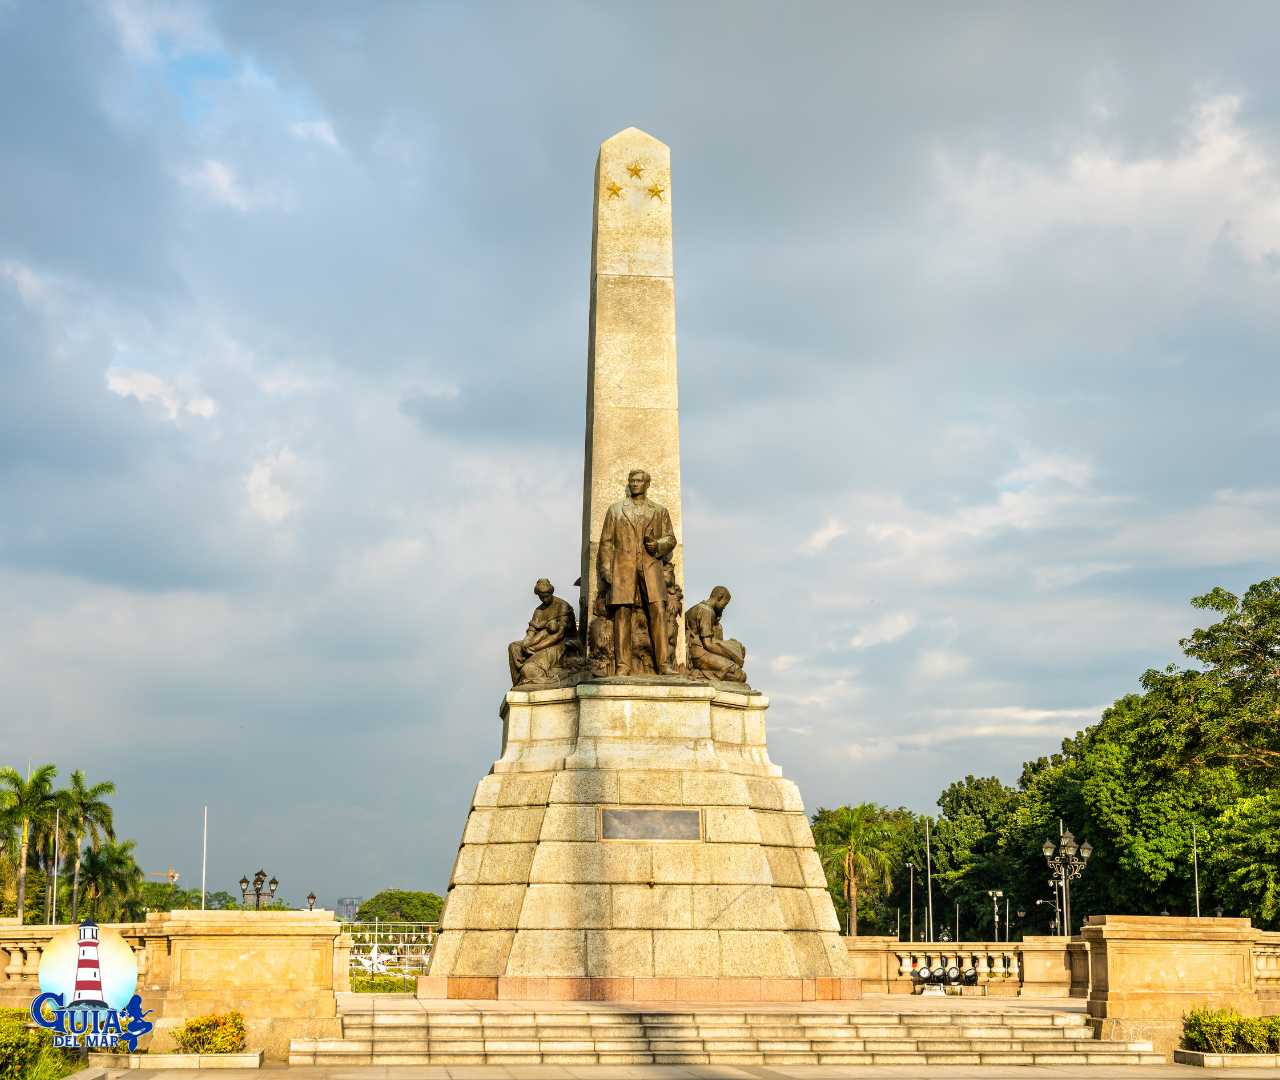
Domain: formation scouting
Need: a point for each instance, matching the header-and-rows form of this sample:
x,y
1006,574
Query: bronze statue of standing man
x,y
635,545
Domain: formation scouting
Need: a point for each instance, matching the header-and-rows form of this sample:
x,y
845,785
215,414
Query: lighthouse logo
x,y
87,980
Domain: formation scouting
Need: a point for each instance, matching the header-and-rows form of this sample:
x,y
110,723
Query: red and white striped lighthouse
x,y
88,992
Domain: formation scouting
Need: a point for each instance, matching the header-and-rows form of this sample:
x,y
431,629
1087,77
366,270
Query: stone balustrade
x,y
21,948
281,969
889,966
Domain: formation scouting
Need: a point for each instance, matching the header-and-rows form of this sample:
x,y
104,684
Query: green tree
x,y
1245,858
1240,657
29,803
113,880
855,844
967,857
401,905
89,817
167,896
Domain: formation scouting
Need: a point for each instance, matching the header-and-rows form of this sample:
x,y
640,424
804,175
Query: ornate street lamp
x,y
995,895
261,887
1067,865
311,901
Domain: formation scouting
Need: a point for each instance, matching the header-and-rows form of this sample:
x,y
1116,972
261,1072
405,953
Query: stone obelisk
x,y
634,842
633,420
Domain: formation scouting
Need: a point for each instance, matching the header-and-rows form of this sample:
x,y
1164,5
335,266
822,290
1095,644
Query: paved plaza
x,y
685,1072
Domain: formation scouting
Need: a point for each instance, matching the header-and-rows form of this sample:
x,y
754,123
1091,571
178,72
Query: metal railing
x,y
385,951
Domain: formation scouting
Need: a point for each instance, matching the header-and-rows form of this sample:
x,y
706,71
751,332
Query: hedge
x,y
1224,1031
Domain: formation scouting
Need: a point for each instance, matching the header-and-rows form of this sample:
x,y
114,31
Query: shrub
x,y
220,1033
1224,1031
28,1054
382,984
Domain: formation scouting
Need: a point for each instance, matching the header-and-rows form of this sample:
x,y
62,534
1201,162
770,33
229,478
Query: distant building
x,y
348,906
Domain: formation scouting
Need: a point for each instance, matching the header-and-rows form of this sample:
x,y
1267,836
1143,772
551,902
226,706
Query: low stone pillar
x,y
1078,961
1046,967
278,968
1146,972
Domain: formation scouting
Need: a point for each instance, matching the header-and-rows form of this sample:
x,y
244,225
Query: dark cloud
x,y
977,311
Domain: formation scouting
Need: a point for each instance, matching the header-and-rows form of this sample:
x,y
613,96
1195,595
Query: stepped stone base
x,y
656,990
635,842
386,1031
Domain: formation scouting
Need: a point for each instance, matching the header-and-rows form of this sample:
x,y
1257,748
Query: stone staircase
x,y
588,1036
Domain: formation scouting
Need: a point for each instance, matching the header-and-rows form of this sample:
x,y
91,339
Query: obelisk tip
x,y
633,136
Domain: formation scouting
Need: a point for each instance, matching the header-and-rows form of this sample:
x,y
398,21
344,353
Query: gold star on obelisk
x,y
614,189
635,169
655,191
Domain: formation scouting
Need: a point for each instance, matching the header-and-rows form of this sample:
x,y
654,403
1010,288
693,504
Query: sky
x,y
978,321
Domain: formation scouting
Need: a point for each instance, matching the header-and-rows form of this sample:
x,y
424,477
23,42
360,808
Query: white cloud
x,y
1064,575
963,725
34,289
822,538
218,182
889,627
144,26
1175,203
940,664
320,131
151,389
783,663
1040,468
268,483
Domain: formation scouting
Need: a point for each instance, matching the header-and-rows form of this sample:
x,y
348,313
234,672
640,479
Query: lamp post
x,y
261,887
1022,914
311,901
996,895
1054,902
1066,865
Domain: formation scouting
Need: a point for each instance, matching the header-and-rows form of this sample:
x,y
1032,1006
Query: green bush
x,y
28,1053
1224,1031
220,1033
383,984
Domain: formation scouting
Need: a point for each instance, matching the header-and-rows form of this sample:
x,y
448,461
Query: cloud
x,y
1064,575
149,28
822,538
940,664
151,389
33,288
990,378
218,182
1010,722
887,628
268,486
319,131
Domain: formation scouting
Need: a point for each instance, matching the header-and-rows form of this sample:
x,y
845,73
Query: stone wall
x,y
1146,972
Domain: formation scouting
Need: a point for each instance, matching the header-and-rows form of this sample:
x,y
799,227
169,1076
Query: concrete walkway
x,y
694,1072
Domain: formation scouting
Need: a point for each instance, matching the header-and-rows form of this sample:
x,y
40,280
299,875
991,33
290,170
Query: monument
x,y
634,841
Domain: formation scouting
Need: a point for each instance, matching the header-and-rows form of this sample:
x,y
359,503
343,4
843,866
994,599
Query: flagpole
x,y
204,856
928,859
58,818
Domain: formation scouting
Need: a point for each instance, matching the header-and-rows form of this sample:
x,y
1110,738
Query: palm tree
x,y
28,802
854,843
111,878
88,816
